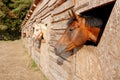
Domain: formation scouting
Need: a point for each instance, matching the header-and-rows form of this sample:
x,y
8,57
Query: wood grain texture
x,y
83,5
101,62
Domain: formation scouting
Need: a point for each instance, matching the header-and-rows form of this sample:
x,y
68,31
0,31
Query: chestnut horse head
x,y
79,31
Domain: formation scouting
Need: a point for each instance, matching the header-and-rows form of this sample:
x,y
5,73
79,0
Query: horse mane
x,y
90,20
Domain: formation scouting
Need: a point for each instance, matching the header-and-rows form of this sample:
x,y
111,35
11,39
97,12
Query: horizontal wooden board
x,y
83,5
87,64
52,2
43,12
58,71
35,56
65,6
47,14
39,7
61,17
60,25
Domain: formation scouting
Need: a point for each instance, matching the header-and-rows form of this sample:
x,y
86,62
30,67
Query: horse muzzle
x,y
59,49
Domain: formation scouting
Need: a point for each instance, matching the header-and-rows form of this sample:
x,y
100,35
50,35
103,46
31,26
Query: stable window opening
x,y
102,12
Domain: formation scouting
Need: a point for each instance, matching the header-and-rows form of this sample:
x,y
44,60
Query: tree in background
x,y
12,13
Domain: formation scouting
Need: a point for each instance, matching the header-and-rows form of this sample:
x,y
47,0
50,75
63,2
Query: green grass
x,y
34,66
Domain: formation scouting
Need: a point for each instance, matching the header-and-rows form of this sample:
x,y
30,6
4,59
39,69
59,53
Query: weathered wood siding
x,y
101,62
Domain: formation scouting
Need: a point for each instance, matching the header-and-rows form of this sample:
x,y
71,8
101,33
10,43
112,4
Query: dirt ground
x,y
15,63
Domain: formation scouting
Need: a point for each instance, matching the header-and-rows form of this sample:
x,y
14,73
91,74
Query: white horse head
x,y
37,34
39,31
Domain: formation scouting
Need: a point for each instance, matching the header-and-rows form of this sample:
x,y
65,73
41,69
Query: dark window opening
x,y
102,12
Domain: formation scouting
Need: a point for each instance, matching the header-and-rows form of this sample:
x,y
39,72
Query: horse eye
x,y
37,29
70,29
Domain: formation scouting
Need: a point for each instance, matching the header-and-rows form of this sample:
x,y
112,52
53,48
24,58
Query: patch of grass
x,y
34,66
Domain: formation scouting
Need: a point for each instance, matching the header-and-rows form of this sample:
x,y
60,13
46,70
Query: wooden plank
x,y
44,12
65,6
109,45
35,56
52,2
43,16
54,37
61,17
60,25
83,5
38,14
39,7
47,14
54,75
57,32
60,68
87,64
58,71
47,20
44,58
101,2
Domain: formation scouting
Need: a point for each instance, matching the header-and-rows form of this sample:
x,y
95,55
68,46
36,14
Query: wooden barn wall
x,y
101,62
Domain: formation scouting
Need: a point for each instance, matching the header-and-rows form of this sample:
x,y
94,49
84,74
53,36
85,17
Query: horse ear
x,y
92,37
75,15
70,14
